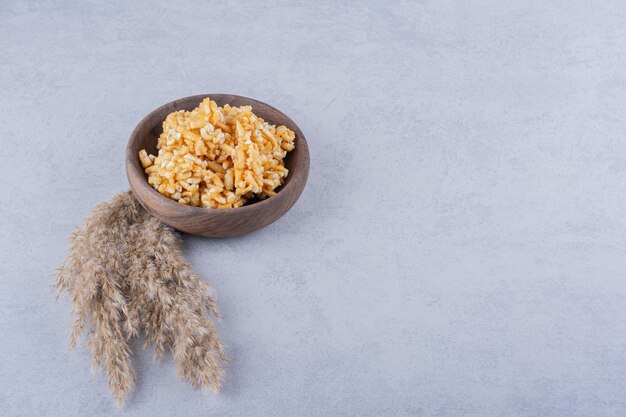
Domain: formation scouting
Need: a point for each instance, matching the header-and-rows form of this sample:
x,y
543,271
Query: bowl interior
x,y
151,128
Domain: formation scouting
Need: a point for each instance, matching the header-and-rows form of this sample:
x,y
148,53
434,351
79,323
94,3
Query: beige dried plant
x,y
126,276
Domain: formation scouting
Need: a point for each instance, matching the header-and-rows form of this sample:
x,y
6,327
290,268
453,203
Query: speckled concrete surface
x,y
459,250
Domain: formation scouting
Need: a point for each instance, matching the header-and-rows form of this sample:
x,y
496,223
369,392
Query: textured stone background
x,y
459,249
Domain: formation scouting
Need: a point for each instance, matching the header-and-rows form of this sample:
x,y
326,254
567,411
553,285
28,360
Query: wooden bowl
x,y
206,221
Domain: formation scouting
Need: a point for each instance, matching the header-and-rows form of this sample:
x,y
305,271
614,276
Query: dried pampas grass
x,y
126,275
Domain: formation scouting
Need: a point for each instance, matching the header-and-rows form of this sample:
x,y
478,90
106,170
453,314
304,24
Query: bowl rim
x,y
199,210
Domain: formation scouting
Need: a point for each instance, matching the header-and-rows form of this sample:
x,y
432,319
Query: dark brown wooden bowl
x,y
215,222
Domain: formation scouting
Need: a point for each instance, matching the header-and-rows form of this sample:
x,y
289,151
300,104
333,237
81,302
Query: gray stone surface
x,y
459,249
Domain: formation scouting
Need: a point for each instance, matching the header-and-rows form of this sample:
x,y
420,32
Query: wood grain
x,y
215,222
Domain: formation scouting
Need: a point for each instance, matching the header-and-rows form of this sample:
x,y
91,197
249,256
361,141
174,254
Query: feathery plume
x,y
126,276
